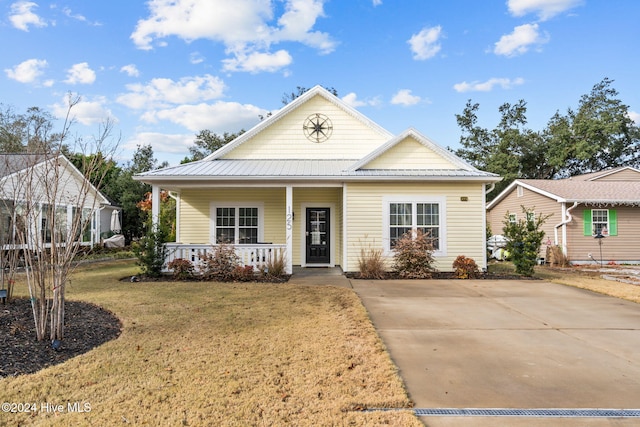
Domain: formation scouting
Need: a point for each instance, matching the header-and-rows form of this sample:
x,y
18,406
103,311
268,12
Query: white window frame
x,y
520,191
531,216
236,205
414,200
593,221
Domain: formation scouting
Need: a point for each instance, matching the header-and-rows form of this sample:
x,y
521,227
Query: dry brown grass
x,y
591,281
219,354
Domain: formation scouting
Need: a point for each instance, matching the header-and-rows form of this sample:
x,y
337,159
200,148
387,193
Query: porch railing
x,y
256,255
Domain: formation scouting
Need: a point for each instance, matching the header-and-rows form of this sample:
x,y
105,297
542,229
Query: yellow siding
x,y
195,213
464,219
512,203
409,154
284,139
316,197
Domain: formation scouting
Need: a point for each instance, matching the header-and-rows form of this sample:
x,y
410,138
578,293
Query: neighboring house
x,y
29,183
319,182
604,203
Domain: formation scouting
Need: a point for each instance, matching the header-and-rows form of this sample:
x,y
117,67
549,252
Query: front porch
x,y
304,223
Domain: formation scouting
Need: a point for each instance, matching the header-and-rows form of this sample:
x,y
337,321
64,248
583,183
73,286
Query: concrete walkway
x,y
509,344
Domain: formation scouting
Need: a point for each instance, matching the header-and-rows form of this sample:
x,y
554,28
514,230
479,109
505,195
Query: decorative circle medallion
x,y
317,128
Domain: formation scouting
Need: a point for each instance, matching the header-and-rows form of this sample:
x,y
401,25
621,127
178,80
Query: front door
x,y
317,234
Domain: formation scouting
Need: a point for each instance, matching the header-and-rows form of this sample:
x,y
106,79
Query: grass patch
x,y
206,353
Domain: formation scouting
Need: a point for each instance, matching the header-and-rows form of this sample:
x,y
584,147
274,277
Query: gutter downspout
x,y
568,218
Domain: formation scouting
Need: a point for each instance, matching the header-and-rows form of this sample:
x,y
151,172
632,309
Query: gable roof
x,y
426,142
274,159
14,163
296,103
593,176
580,191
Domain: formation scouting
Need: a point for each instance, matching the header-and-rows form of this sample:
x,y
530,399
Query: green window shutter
x,y
613,222
586,218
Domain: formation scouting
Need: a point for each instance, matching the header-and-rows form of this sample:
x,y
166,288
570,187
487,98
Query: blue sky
x,y
163,70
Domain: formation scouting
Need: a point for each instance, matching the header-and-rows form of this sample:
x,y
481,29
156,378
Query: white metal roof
x,y
222,169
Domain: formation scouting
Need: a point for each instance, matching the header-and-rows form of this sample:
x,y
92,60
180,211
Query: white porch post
x,y
155,206
289,228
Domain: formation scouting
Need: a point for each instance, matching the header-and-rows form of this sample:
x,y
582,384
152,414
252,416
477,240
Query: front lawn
x,y
198,353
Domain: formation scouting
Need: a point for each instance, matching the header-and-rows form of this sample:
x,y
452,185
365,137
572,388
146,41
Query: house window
x,y
237,225
520,191
531,216
513,218
600,221
409,216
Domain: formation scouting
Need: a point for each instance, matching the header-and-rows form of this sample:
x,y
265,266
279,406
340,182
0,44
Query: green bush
x,y
151,252
524,240
414,255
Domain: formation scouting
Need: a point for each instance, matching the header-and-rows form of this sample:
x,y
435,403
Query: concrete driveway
x,y
509,344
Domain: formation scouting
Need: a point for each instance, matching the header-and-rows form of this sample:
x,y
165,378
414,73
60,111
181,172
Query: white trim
x,y
289,218
234,204
345,240
441,201
332,234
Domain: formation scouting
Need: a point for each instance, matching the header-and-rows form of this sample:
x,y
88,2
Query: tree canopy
x,y
598,135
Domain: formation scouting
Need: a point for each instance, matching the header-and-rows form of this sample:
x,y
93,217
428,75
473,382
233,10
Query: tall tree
x,y
599,135
131,191
287,97
207,142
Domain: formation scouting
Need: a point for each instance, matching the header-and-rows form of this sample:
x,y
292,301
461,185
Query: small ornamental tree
x,y
524,240
413,256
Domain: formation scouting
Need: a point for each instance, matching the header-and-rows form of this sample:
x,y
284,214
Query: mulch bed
x,y
86,327
451,276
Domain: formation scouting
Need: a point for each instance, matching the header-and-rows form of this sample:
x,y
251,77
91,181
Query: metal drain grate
x,y
547,412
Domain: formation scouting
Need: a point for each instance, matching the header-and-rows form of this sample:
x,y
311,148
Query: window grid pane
x,y
401,221
600,220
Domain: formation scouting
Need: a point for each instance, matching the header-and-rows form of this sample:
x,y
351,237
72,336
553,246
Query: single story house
x,y
35,188
589,213
320,182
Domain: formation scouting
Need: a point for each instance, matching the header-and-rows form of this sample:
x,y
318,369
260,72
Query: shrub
x,y
151,252
220,263
182,268
371,263
525,238
243,273
465,268
414,255
556,257
275,266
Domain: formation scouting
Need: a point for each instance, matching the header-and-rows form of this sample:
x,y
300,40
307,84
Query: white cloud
x,y
160,93
352,100
635,116
161,142
218,117
545,9
245,27
131,70
520,40
27,71
22,16
80,74
85,112
377,3
256,62
488,85
196,58
404,97
425,44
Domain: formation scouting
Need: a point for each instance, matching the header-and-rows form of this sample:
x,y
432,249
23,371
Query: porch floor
x,y
331,276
